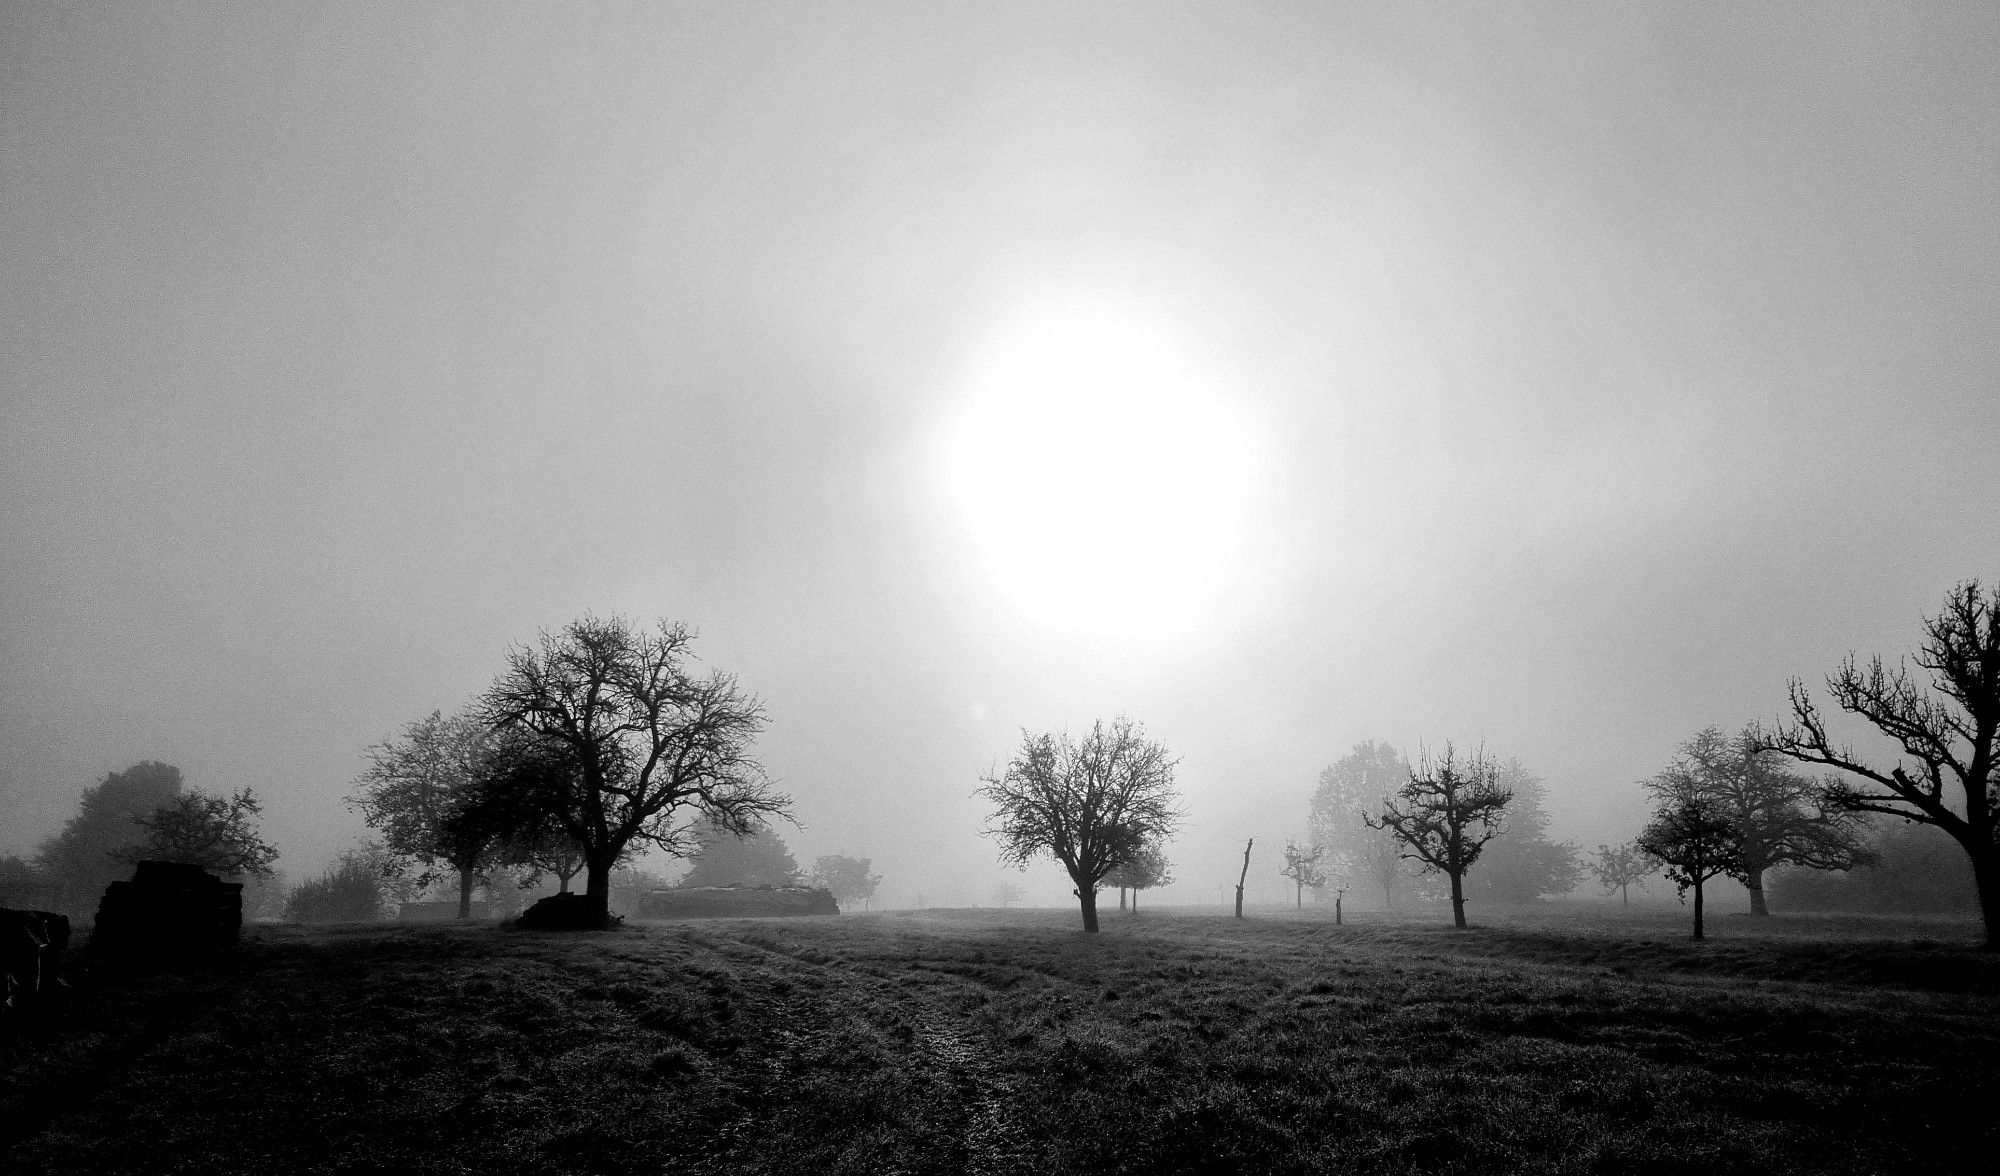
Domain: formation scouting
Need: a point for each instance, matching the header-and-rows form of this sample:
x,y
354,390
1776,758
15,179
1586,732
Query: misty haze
x,y
893,587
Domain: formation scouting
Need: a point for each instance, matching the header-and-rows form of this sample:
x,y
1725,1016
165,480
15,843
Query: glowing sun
x,y
1105,488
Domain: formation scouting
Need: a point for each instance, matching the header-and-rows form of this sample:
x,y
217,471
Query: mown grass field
x,y
1009,1042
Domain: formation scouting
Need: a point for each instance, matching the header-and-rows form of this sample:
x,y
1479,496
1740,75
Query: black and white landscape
x,y
898,587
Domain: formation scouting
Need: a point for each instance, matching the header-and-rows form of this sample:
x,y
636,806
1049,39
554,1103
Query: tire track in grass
x,y
990,1135
981,1104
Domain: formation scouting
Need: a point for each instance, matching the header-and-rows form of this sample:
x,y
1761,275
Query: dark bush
x,y
565,912
350,891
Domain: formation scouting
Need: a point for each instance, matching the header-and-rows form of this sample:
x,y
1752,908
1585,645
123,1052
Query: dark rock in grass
x,y
566,912
168,913
31,956
736,902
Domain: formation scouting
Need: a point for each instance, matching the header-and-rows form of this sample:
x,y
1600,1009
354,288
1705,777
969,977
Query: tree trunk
x,y
1458,900
1755,883
1336,910
465,893
1135,900
1298,894
1244,875
1121,898
1625,892
1087,895
562,880
1986,876
597,890
1697,909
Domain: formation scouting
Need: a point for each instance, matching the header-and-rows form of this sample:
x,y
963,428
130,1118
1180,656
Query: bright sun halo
x,y
1106,490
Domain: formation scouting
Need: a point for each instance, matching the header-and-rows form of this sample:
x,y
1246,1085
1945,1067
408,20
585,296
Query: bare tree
x,y
1696,841
1244,876
1616,867
415,791
1302,867
217,833
1008,893
1948,726
1779,817
1090,803
657,749
1445,815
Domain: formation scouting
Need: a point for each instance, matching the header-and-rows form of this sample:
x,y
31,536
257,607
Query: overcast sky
x,y
1570,377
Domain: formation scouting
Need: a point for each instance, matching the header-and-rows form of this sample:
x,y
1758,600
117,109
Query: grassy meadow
x,y
991,1041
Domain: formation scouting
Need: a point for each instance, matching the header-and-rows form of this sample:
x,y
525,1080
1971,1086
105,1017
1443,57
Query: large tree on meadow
x,y
1090,803
1444,815
659,750
1695,843
1949,726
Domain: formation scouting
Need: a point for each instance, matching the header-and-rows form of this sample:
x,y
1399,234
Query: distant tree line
x,y
1726,806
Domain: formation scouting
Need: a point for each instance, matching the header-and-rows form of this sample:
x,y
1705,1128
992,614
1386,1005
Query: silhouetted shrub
x,y
565,912
350,891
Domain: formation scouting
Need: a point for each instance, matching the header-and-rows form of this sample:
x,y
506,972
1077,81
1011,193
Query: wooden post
x,y
1245,874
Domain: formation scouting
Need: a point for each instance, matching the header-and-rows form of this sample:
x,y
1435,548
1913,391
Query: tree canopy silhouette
x,y
1090,803
1695,842
659,750
217,833
1778,816
1444,815
758,858
417,791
